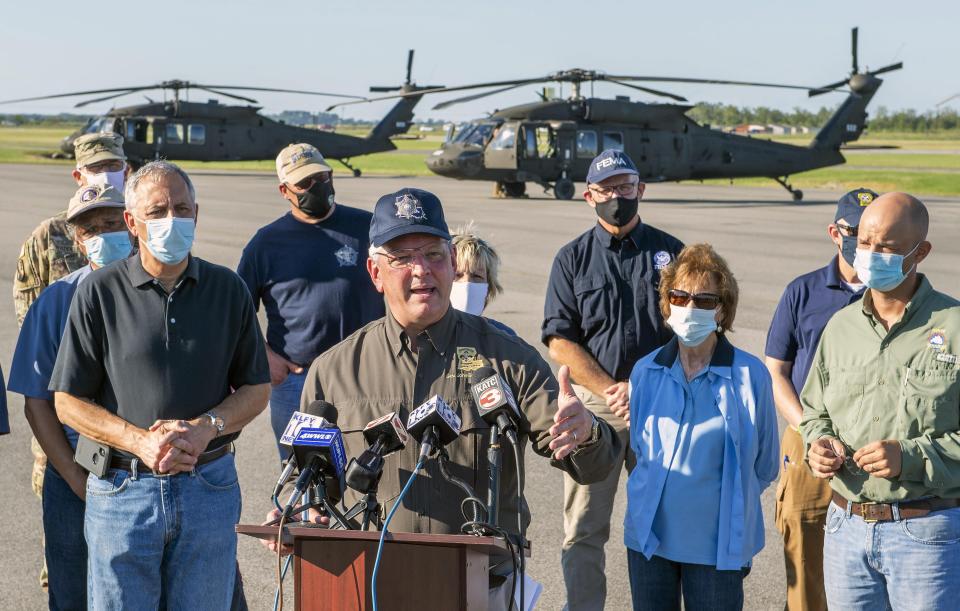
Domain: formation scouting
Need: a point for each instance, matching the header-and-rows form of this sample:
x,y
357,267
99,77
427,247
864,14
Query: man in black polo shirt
x,y
162,360
308,268
600,317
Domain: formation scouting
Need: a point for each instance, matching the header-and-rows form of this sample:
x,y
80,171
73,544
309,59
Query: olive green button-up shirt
x,y
868,384
374,371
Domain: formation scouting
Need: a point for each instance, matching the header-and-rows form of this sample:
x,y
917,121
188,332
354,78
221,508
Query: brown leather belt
x,y
127,464
883,512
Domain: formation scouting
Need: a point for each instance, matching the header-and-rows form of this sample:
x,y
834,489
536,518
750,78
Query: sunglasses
x,y
701,301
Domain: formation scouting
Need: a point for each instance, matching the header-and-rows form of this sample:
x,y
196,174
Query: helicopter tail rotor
x,y
857,80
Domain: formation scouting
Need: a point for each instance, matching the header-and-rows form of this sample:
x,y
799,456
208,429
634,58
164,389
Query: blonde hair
x,y
695,261
472,253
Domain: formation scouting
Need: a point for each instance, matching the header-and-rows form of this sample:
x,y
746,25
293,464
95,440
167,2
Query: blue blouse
x,y
741,388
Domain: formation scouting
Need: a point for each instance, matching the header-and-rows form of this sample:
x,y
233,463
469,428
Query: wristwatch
x,y
216,421
594,433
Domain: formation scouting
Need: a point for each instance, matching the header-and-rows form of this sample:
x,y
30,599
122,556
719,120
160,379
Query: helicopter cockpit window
x,y
505,139
196,134
174,133
474,134
586,144
100,124
613,140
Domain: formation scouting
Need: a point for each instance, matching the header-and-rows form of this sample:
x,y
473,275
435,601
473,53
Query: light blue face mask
x,y
106,248
169,239
881,271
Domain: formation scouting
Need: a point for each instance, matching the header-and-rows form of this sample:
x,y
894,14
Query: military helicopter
x,y
211,131
552,142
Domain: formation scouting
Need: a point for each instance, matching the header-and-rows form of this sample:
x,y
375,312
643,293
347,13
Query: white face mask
x,y
692,325
469,297
113,179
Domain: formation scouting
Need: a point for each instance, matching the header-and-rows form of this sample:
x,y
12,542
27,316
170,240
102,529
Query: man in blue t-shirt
x,y
96,216
808,302
308,270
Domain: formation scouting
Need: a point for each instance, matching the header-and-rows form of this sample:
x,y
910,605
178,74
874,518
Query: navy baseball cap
x,y
851,206
610,163
407,211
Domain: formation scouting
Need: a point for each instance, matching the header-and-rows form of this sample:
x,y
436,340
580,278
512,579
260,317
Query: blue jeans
x,y
284,400
904,564
658,584
66,549
163,540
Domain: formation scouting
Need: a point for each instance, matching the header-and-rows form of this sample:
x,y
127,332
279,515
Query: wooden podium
x,y
333,569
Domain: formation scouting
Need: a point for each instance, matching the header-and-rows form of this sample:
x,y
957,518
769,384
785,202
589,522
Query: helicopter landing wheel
x,y
510,189
796,193
563,189
356,172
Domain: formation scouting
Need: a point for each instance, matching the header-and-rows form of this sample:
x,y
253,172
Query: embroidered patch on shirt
x,y
937,340
346,256
467,360
661,259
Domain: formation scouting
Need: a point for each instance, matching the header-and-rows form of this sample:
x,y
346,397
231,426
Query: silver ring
x,y
574,435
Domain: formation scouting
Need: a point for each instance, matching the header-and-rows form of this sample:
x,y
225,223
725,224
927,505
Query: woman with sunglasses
x,y
704,431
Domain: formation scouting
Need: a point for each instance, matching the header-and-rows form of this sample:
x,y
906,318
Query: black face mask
x,y
618,211
848,248
318,199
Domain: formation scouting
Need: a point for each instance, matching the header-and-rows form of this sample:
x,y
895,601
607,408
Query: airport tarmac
x,y
766,238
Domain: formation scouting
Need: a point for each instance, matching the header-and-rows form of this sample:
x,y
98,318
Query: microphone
x,y
319,414
385,435
320,453
432,424
495,401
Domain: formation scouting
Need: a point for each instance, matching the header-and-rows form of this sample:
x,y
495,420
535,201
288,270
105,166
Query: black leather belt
x,y
136,465
883,512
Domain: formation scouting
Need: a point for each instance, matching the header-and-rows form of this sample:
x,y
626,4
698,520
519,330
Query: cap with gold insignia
x,y
92,148
851,205
92,197
298,161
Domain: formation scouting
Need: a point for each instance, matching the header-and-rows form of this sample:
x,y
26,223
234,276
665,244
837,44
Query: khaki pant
x,y
802,501
586,519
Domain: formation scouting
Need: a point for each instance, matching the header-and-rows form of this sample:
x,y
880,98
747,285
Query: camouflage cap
x,y
298,161
91,197
91,148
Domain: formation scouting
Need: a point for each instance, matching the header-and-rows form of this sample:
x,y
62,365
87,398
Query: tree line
x,y
882,119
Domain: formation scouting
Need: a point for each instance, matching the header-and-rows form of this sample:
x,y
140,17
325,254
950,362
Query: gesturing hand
x,y
572,421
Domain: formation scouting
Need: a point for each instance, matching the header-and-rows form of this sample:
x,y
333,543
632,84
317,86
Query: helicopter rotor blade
x,y
951,98
428,90
225,94
409,66
815,91
889,68
470,98
853,49
120,90
703,81
656,92
276,90
103,99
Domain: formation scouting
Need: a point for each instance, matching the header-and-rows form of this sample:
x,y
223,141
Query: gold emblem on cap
x,y
865,198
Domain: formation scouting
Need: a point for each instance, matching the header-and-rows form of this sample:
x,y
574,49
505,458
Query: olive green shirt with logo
x,y
49,254
374,372
867,384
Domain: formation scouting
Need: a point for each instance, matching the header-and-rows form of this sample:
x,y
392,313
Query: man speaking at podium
x,y
424,347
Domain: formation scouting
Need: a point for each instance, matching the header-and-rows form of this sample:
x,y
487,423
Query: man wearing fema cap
x,y
808,302
424,347
95,213
307,269
51,252
600,317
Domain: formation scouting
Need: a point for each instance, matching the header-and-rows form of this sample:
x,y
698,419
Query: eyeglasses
x,y
311,180
107,165
701,301
848,230
627,188
403,258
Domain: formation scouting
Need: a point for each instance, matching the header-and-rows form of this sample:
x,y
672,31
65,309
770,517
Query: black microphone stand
x,y
494,460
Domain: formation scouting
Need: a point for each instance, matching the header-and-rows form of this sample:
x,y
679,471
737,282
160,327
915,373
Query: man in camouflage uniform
x,y
50,252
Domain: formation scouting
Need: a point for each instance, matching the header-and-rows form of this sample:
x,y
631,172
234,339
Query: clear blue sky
x,y
51,47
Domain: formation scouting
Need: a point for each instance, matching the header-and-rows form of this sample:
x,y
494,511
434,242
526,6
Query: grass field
x,y
923,163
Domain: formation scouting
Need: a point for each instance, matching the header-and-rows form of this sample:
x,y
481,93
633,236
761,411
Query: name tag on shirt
x,y
948,358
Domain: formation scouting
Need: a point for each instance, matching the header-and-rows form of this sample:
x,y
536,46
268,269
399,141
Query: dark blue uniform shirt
x,y
603,295
312,280
804,309
4,419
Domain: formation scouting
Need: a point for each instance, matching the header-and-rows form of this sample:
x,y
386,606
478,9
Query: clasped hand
x,y
173,446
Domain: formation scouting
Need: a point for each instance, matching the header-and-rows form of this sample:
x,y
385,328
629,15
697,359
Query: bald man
x,y
881,419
